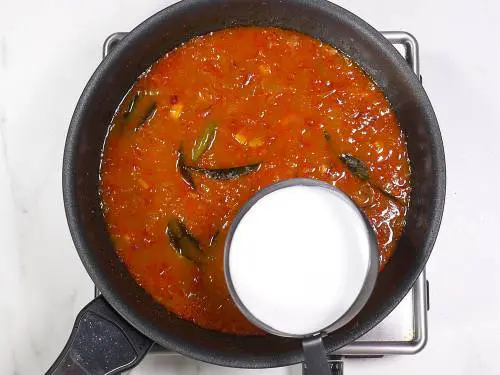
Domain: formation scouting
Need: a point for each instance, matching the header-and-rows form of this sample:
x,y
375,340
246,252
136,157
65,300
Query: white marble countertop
x,y
48,50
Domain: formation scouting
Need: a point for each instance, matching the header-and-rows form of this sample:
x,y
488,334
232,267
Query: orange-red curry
x,y
221,117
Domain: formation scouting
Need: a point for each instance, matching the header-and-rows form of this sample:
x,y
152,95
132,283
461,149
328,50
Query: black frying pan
x,y
116,330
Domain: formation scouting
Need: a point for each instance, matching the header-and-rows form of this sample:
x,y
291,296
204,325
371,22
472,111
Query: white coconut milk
x,y
299,258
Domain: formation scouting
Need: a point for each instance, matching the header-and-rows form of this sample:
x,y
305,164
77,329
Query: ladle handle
x,y
316,359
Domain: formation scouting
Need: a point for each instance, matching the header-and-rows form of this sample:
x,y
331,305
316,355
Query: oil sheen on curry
x,y
217,119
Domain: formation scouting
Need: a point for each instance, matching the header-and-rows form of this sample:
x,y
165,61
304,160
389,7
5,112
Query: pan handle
x,y
101,342
317,361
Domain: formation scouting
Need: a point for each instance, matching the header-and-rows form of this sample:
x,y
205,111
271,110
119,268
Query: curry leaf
x,y
183,170
356,166
131,105
226,173
205,141
183,242
151,111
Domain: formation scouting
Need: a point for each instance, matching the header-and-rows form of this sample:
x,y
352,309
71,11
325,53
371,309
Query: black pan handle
x,y
101,343
316,359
